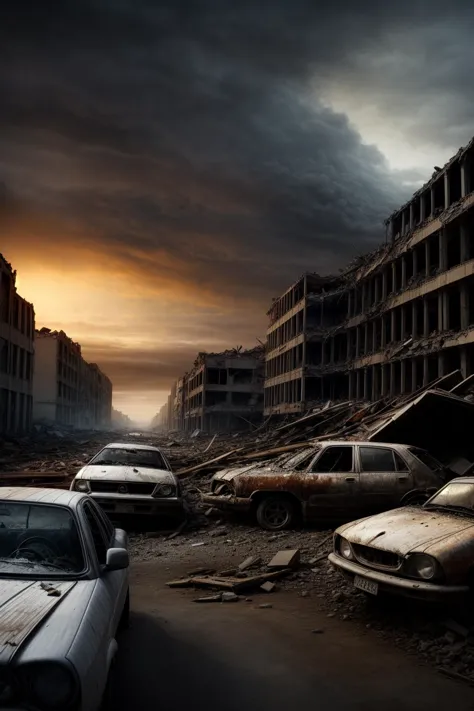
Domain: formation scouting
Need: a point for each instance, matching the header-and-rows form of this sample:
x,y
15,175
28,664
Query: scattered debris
x,y
232,584
268,587
265,606
50,590
285,559
211,598
250,562
230,597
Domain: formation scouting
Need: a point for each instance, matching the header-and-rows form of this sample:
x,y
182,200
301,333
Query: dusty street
x,y
179,654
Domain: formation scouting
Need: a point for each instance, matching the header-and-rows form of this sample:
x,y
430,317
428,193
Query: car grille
x,y
376,557
124,488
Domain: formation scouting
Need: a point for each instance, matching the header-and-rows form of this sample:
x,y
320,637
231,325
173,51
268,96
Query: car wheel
x,y
276,513
125,617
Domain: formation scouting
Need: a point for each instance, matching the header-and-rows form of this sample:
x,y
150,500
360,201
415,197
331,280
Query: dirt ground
x,y
179,654
427,634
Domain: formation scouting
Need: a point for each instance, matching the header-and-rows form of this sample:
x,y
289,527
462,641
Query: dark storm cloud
x,y
191,138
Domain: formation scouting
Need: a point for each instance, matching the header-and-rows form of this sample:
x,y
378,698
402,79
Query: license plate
x,y
366,585
124,508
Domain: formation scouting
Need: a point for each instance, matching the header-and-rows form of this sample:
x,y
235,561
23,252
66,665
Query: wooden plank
x,y
203,465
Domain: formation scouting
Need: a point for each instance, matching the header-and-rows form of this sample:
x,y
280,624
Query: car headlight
x,y
82,485
425,566
422,566
164,490
52,686
345,549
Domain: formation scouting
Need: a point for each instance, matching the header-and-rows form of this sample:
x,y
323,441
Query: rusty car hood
x,y
407,529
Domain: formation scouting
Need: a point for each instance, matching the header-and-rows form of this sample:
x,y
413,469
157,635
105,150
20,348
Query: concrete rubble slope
x,y
437,418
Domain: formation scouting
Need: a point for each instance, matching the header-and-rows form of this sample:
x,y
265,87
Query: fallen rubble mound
x,y
437,418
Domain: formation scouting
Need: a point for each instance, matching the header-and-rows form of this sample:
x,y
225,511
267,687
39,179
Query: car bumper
x,y
138,505
227,503
398,586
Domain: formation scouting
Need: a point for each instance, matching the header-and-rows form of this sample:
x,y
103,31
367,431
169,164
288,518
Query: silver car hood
x,y
126,474
24,605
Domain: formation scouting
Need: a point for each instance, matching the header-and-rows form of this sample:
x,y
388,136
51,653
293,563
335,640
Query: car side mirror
x,y
117,559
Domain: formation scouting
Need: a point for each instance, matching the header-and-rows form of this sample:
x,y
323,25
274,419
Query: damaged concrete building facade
x,y
396,319
222,393
17,327
68,391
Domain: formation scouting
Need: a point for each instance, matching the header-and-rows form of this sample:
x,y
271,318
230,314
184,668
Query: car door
x,y
384,478
115,581
331,484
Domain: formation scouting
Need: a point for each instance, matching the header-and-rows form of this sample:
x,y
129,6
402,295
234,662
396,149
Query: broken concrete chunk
x,y
210,598
249,562
229,597
268,587
285,559
265,606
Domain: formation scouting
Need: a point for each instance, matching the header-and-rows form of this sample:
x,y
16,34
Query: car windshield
x,y
37,539
456,496
130,457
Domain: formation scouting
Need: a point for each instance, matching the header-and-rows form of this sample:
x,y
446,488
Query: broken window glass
x,y
335,459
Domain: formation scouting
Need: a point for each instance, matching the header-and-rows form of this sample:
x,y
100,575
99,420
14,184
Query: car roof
x,y
463,479
366,443
131,445
32,495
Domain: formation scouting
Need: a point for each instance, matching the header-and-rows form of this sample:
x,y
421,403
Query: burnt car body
x,y
419,552
330,481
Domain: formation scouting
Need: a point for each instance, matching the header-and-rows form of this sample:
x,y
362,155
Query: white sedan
x,y
63,595
128,478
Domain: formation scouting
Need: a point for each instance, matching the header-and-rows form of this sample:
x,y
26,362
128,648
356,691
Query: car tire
x,y
276,513
125,616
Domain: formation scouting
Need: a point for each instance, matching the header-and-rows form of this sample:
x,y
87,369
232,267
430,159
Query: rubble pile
x,y
435,418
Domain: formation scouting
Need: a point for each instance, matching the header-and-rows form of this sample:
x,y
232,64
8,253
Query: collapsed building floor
x,y
395,319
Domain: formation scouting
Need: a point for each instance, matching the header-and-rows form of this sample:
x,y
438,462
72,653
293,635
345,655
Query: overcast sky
x,y
168,168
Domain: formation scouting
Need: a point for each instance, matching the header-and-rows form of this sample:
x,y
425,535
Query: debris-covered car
x,y
131,479
63,594
332,481
423,552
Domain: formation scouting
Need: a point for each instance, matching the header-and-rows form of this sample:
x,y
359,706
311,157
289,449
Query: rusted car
x,y
420,552
332,481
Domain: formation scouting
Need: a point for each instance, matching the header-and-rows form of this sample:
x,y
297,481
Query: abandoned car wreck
x,y
329,482
424,552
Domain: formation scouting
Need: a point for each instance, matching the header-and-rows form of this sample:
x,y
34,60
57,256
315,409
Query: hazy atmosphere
x,y
166,169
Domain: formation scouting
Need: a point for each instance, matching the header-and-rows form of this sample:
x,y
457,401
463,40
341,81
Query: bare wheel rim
x,y
276,513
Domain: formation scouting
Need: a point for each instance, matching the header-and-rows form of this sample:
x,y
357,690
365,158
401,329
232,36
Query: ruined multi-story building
x,y
17,328
222,393
68,390
395,319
